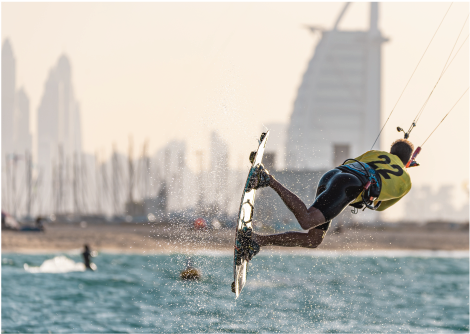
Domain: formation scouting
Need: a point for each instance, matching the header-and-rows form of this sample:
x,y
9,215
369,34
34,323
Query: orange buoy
x,y
200,224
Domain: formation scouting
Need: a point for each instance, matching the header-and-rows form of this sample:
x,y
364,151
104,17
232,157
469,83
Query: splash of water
x,y
59,264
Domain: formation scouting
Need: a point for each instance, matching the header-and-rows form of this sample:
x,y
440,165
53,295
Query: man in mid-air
x,y
376,179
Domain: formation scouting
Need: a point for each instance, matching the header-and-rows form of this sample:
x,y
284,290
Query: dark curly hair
x,y
403,149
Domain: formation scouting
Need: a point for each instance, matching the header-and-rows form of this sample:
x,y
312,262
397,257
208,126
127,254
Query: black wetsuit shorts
x,y
335,191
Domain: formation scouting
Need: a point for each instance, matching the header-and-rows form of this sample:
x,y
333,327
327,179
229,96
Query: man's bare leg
x,y
312,239
308,218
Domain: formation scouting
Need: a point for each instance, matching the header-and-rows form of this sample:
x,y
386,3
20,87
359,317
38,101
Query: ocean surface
x,y
308,292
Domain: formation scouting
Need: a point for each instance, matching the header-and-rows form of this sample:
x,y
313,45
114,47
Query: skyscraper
x,y
8,98
16,137
22,136
59,128
337,110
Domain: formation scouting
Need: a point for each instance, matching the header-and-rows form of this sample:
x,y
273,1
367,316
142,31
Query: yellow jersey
x,y
396,182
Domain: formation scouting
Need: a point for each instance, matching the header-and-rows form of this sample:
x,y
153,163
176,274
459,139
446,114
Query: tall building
x,y
8,97
22,136
337,110
16,137
58,129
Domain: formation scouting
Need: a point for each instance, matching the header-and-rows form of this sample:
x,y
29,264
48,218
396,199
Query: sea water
x,y
314,292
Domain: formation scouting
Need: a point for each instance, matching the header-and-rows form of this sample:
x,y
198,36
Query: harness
x,y
372,186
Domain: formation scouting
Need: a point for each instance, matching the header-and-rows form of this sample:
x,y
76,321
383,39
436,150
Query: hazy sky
x,y
167,71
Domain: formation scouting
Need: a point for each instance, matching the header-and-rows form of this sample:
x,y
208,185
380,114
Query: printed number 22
x,y
384,172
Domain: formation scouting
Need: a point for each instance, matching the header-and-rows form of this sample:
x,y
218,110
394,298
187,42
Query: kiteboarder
x,y
86,257
376,180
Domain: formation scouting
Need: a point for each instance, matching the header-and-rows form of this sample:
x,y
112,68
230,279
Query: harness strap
x,y
370,194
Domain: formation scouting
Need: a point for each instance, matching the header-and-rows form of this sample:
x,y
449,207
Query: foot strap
x,y
246,247
260,178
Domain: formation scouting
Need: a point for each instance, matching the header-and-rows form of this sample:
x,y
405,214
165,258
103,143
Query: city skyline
x,y
58,148
179,79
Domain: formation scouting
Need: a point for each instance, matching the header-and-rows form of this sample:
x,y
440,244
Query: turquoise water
x,y
310,292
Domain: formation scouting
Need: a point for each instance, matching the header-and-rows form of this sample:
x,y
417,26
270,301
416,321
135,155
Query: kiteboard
x,y
245,217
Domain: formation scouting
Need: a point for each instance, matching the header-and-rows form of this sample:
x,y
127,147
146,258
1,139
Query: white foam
x,y
59,264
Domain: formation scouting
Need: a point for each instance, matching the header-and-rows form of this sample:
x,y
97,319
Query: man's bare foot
x,y
260,178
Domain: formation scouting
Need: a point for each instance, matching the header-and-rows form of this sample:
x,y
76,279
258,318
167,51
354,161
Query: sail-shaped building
x,y
336,116
337,110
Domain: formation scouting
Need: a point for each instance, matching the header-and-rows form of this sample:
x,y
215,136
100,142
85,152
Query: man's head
x,y
403,149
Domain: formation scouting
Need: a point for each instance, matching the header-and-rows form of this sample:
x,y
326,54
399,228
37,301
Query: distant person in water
x,y
86,257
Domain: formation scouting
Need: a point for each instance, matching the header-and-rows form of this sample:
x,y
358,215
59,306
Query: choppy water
x,y
311,292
